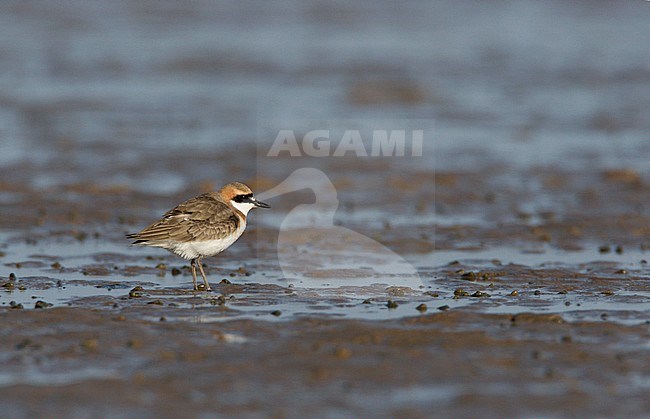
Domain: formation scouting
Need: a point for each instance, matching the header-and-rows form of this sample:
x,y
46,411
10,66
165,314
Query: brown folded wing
x,y
200,218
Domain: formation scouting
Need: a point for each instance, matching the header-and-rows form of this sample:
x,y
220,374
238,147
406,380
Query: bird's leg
x,y
193,265
205,280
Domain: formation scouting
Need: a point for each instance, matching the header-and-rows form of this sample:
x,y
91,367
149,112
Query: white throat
x,y
243,207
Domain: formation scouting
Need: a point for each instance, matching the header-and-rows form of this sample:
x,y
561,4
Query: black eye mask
x,y
242,198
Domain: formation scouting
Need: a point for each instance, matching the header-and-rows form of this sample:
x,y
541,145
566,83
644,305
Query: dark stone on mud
x,y
443,308
176,272
136,292
15,305
391,304
459,292
8,285
42,304
421,308
156,302
12,276
480,294
604,249
276,313
469,276
225,282
514,293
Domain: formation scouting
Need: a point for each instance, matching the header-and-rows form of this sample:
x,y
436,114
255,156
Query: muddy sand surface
x,y
520,318
500,272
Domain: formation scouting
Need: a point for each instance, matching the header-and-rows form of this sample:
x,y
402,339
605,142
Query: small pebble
x,y
276,313
391,304
469,276
459,292
42,304
421,308
136,292
443,308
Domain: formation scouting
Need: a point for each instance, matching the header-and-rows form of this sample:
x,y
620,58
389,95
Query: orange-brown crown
x,y
233,189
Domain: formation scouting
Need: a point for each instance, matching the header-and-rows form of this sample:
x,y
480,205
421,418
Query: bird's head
x,y
241,197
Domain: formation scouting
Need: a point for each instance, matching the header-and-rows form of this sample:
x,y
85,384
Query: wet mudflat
x,y
523,319
504,272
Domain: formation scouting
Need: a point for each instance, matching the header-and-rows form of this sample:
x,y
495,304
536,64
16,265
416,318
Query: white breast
x,y
192,250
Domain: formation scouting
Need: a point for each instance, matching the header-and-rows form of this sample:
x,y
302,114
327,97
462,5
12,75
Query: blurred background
x,y
103,90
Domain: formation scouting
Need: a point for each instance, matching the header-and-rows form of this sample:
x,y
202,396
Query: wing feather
x,y
200,218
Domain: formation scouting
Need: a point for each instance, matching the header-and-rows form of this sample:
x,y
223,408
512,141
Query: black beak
x,y
260,204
